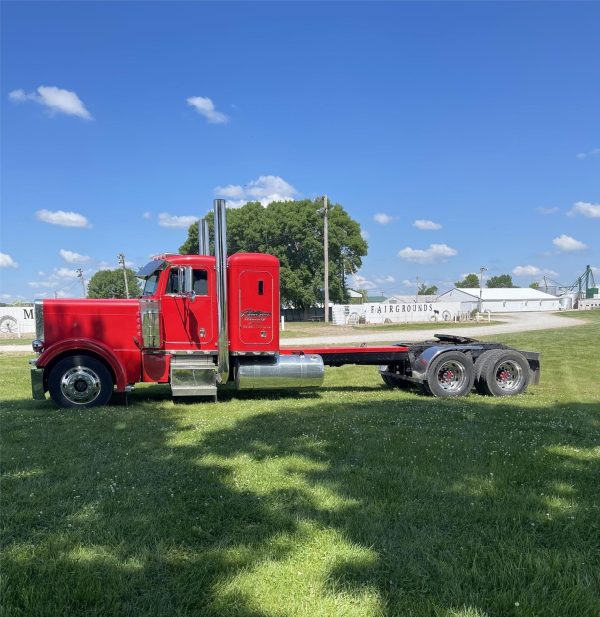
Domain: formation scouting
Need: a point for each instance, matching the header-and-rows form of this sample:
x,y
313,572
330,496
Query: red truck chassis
x,y
204,321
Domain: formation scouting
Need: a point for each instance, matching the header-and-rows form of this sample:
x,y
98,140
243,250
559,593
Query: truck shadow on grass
x,y
388,506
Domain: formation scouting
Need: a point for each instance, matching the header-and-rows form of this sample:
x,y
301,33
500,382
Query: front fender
x,y
69,346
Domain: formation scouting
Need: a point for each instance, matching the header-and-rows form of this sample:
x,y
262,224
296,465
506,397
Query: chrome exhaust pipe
x,y
203,240
221,266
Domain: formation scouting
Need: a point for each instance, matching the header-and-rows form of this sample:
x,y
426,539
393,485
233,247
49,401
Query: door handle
x,y
202,332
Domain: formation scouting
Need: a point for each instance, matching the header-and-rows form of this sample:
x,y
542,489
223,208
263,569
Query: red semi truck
x,y
203,321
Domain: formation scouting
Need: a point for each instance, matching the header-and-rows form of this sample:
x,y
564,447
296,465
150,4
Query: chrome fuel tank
x,y
294,371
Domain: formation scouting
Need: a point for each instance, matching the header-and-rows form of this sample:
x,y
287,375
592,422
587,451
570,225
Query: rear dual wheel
x,y
501,372
450,375
391,381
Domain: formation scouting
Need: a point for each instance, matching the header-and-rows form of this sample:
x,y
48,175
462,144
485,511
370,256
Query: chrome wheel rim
x,y
451,376
80,385
509,376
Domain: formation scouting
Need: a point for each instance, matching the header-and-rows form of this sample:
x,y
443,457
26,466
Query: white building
x,y
502,299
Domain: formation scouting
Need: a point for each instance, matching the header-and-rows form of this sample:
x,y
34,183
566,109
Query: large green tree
x,y
424,290
110,284
293,232
502,280
470,281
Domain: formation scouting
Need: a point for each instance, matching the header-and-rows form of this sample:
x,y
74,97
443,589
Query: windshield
x,y
150,285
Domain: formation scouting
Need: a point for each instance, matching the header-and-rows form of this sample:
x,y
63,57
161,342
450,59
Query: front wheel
x,y
80,381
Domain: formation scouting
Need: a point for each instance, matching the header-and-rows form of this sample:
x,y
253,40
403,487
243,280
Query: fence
x,y
408,312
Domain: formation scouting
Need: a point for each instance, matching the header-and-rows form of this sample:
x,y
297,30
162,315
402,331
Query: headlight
x,y
38,345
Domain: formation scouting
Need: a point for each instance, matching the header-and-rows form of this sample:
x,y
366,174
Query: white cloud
x,y
170,220
55,99
360,282
426,225
436,253
407,283
204,106
6,261
43,284
589,210
552,210
72,257
147,215
264,189
383,219
382,280
65,219
58,278
526,271
567,243
595,270
533,271
584,155
64,273
365,234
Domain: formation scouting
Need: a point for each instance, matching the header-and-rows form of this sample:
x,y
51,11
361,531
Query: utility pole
x,y
481,271
121,258
326,257
80,275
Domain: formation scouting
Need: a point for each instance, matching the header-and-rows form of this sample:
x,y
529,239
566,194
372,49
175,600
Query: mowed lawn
x,y
350,500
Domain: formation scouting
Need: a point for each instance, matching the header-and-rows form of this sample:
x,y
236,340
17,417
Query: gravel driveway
x,y
513,322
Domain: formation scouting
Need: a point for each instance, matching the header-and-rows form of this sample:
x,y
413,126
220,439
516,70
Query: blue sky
x,y
459,135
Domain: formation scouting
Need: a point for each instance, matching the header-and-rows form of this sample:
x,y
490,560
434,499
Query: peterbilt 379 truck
x,y
203,321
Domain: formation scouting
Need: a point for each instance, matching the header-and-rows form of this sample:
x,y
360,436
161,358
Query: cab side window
x,y
200,279
201,282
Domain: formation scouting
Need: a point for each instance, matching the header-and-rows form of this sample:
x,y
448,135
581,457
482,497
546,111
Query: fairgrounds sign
x,y
398,312
16,321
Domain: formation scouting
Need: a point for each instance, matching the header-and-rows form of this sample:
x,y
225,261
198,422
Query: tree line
x,y
293,232
502,280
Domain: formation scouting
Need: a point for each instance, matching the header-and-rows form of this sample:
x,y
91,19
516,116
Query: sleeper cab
x,y
253,298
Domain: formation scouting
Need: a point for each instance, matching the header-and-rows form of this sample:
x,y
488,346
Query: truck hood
x,y
114,322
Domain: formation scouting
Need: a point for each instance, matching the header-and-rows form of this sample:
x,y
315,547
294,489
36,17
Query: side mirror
x,y
188,282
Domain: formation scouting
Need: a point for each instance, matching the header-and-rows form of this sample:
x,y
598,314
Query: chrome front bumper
x,y
37,384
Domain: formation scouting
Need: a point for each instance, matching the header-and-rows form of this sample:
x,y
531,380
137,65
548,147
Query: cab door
x,y
188,323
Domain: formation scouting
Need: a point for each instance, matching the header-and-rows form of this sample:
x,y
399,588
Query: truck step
x,y
193,376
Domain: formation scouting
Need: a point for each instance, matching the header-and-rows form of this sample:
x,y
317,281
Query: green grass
x,y
24,340
353,500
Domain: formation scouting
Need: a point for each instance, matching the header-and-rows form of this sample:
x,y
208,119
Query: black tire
x,y
80,381
504,373
394,382
450,375
389,381
479,366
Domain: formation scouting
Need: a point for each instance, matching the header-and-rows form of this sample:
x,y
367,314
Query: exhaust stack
x,y
221,264
203,240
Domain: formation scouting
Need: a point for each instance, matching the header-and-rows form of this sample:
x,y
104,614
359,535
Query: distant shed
x,y
502,299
